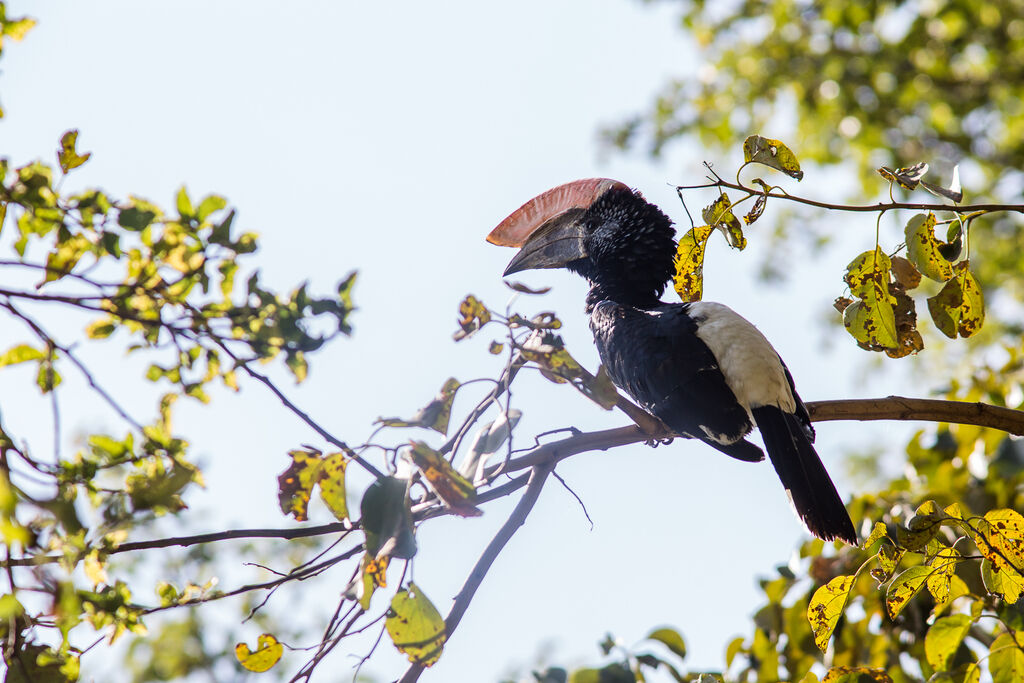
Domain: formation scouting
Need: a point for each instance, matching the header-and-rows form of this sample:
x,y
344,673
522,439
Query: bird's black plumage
x,y
702,369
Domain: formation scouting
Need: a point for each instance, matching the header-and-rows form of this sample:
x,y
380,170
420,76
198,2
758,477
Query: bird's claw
x,y
655,442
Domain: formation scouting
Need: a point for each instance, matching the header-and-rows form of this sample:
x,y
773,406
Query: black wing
x,y
657,358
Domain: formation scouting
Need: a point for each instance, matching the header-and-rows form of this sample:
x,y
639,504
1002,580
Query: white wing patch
x,y
750,364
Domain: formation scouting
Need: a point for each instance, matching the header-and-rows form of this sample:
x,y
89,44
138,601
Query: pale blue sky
x,y
391,137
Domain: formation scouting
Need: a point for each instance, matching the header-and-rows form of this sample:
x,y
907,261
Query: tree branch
x,y
518,517
924,409
862,208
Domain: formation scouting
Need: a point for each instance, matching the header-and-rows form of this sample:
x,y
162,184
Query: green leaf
x,y
826,606
671,639
772,153
415,626
923,248
67,157
944,638
268,652
387,519
688,280
1006,662
904,587
959,307
209,205
20,353
184,204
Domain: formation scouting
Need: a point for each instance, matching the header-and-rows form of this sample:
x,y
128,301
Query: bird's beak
x,y
552,245
547,228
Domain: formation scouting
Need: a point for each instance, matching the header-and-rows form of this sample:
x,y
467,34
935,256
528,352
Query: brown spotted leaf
x,y
904,587
772,153
856,674
457,492
923,249
826,606
872,319
689,278
474,316
959,307
295,484
908,338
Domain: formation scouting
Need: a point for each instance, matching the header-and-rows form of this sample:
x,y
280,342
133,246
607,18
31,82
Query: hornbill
x,y
703,370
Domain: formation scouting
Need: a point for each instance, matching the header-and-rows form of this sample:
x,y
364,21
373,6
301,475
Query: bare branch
x,y
923,409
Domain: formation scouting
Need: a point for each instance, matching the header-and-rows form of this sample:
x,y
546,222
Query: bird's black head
x,y
600,229
630,248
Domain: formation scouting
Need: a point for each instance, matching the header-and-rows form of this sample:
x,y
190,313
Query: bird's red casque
x,y
528,218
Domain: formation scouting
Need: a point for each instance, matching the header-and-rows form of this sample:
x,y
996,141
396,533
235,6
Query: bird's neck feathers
x,y
630,250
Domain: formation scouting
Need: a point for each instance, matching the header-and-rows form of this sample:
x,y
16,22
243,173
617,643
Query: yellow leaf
x,y
877,533
268,652
772,153
719,215
943,565
923,248
689,278
1007,584
332,484
67,157
826,606
94,568
415,626
944,638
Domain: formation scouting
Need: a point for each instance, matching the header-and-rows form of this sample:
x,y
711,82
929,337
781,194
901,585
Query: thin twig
x,y
538,476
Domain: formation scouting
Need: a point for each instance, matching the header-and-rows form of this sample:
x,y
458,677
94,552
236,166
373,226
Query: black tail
x,y
813,494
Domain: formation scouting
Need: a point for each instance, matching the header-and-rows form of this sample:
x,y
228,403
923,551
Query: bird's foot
x,y
654,443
